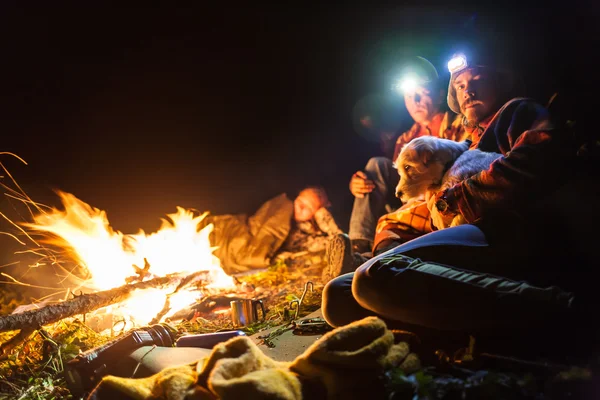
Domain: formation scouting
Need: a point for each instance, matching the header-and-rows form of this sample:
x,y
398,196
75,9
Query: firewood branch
x,y
29,321
185,282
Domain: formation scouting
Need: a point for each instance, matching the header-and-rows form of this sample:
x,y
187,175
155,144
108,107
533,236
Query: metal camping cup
x,y
245,312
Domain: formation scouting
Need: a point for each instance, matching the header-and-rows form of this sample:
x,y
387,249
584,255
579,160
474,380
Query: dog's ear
x,y
426,156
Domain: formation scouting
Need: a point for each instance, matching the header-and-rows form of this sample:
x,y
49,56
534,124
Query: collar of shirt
x,y
477,131
433,128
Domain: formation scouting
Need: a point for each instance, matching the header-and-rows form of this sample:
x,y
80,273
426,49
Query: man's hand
x,y
437,219
360,185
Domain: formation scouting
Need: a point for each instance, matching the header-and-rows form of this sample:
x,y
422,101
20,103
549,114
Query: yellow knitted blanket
x,y
345,363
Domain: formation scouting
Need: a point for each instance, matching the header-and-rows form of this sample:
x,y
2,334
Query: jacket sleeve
x,y
535,156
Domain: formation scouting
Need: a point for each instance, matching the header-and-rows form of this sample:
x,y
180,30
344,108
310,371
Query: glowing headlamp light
x,y
407,84
457,63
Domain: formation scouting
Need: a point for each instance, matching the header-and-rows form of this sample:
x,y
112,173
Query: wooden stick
x,y
29,321
185,282
80,304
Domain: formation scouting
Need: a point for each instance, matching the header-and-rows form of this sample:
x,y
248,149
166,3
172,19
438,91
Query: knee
x,y
382,291
364,289
378,164
336,298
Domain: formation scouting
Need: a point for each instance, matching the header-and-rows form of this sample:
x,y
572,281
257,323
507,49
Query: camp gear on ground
x,y
342,364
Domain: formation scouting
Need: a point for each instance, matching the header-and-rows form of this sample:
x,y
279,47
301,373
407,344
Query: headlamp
x,y
457,63
407,84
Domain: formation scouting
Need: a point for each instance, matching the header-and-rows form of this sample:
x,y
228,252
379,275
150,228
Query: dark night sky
x,y
138,110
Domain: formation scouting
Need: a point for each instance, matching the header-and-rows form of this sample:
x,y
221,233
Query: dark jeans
x,y
483,291
382,200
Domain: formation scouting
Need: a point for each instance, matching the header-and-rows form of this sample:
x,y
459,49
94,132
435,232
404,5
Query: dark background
x,y
137,110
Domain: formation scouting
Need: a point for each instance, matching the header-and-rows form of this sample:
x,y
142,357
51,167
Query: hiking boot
x,y
340,257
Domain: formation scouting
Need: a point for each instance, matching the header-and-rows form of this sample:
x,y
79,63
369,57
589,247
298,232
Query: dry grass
x,y
277,287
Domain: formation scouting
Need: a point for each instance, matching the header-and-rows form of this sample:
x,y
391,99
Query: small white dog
x,y
430,163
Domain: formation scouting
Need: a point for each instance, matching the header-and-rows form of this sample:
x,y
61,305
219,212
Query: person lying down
x,y
279,228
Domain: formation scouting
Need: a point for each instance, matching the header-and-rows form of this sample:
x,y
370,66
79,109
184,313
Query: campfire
x,y
111,259
131,279
117,282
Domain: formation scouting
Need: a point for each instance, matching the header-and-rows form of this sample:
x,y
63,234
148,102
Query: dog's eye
x,y
407,168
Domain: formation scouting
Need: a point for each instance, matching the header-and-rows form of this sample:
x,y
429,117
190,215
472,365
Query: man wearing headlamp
x,y
477,91
495,275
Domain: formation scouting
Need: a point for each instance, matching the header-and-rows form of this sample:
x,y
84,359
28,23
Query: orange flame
x,y
109,255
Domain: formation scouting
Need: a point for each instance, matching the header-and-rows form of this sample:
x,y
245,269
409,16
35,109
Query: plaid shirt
x,y
408,222
535,157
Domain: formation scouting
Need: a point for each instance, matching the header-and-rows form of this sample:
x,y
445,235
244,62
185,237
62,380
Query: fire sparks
x,y
111,257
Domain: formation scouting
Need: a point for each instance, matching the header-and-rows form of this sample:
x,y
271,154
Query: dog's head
x,y
421,165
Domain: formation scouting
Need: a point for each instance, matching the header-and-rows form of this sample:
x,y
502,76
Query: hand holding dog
x,y
361,185
438,220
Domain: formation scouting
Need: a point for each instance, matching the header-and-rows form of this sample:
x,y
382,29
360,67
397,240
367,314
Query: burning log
x,y
186,281
30,321
207,306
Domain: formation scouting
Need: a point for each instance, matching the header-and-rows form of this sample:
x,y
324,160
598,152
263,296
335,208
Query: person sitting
x,y
520,267
374,217
373,188
280,225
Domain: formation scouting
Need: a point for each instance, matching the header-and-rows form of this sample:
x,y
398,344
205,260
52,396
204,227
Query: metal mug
x,y
245,312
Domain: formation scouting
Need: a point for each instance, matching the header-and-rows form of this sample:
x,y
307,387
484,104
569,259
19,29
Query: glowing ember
x,y
109,256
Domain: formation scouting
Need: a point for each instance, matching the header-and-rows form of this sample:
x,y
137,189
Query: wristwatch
x,y
441,203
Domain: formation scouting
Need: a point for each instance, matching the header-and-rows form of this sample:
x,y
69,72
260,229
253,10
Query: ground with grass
x,y
34,370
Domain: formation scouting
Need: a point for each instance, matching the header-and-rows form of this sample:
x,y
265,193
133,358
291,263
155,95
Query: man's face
x,y
422,104
476,94
305,206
